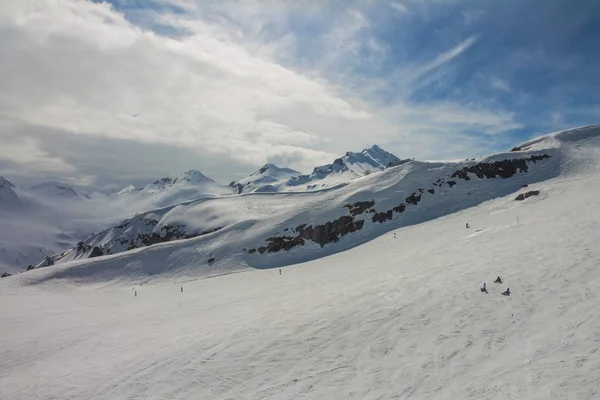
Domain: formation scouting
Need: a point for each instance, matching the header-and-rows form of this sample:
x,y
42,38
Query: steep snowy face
x,y
367,161
8,197
370,160
274,171
128,189
168,191
193,177
269,178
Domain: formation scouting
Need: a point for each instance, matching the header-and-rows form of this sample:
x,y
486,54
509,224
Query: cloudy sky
x,y
105,94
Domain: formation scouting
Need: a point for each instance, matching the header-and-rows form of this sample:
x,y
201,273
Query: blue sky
x,y
537,59
294,83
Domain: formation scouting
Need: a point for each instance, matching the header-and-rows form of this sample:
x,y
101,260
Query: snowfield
x,y
395,318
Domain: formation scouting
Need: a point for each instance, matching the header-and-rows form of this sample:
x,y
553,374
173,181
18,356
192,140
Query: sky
x,y
106,94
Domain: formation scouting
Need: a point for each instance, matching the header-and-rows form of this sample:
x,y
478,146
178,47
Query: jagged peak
x,y
193,176
163,181
274,169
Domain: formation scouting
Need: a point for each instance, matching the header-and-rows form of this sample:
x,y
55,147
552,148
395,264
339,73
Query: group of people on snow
x,y
498,280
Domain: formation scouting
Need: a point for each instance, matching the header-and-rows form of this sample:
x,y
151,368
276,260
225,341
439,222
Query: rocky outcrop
x,y
167,233
96,252
413,199
5,275
331,232
499,169
276,244
360,207
523,196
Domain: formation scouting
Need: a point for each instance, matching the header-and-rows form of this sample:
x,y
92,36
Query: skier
x,y
394,235
484,289
507,293
498,280
468,225
280,271
135,293
182,289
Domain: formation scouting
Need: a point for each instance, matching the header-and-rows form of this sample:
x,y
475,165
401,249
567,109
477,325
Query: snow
x,y
271,178
246,221
392,318
51,217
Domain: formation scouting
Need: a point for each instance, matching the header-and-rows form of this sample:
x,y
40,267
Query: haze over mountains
x,y
58,216
275,211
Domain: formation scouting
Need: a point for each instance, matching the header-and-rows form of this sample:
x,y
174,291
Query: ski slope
x,y
397,317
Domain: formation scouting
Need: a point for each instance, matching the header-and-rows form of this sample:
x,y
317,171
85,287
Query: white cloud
x,y
500,84
83,68
399,7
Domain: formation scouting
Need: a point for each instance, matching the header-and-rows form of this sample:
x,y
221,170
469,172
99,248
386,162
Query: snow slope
x,y
393,318
169,191
255,229
269,178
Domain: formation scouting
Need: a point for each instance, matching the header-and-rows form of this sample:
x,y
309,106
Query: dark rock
x,y
96,252
432,191
5,275
252,251
399,208
359,207
516,148
379,217
523,196
413,199
30,267
283,243
499,169
451,183
210,260
524,185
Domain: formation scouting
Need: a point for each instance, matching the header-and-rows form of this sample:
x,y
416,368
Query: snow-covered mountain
x,y
271,178
169,191
47,218
397,315
269,229
8,198
56,190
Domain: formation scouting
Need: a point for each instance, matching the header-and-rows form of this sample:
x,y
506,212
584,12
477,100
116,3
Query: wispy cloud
x,y
239,83
399,7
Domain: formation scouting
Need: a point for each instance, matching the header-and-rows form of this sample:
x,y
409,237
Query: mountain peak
x,y
8,197
5,183
267,167
193,176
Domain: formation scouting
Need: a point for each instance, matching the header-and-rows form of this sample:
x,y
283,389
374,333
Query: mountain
x,y
291,227
170,191
268,178
397,315
57,190
8,198
271,178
